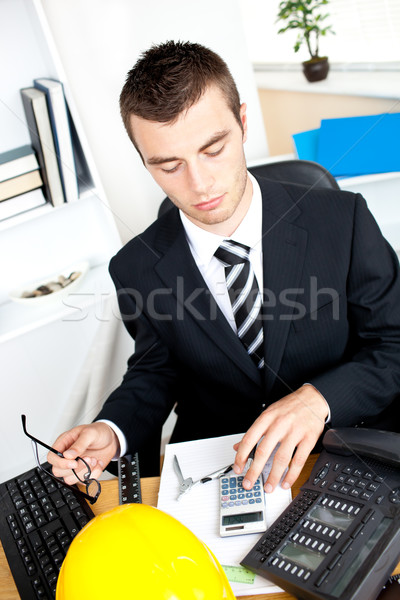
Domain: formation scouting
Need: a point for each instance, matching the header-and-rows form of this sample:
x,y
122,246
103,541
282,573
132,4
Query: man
x,y
319,344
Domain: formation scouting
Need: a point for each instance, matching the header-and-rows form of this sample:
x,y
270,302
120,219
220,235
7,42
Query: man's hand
x,y
96,443
296,422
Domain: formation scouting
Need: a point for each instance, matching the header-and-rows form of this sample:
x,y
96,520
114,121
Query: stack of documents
x,y
199,508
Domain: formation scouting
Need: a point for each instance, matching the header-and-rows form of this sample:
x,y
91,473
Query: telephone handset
x,y
339,539
383,446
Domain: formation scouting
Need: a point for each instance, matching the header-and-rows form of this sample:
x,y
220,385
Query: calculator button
x,y
256,494
232,482
244,502
224,498
240,496
225,480
249,495
252,501
233,497
258,501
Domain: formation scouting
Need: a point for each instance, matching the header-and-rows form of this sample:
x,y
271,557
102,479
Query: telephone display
x,y
340,537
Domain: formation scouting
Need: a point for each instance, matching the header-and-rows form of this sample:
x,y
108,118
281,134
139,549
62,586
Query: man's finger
x,y
298,461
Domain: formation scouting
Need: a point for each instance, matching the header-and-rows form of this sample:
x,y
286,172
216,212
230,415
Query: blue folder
x,y
360,145
306,144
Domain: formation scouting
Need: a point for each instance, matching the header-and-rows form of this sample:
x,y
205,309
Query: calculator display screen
x,y
301,556
330,517
242,518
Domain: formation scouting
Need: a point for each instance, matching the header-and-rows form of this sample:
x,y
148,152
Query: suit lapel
x,y
196,307
284,247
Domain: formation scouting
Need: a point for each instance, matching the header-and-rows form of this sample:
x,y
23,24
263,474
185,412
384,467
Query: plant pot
x,y
316,69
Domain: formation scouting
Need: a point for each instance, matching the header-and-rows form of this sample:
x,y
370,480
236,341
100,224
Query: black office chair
x,y
302,172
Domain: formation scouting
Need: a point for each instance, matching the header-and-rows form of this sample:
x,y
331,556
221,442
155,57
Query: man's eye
x,y
216,152
172,170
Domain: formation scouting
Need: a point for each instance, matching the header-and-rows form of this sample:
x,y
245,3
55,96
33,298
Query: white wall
x,y
99,41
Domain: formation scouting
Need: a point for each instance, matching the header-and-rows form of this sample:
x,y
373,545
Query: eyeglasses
x,y
93,487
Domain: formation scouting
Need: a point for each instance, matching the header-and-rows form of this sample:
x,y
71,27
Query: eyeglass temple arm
x,y
23,419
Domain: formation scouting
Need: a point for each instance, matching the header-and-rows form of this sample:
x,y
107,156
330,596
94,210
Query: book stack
x,y
20,182
48,122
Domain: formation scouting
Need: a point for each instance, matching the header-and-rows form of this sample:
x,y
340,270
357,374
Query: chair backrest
x,y
302,172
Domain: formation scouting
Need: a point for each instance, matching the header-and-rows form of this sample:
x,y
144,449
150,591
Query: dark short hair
x,y
170,78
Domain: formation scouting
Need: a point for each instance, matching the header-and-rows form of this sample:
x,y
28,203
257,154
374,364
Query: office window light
x,y
367,33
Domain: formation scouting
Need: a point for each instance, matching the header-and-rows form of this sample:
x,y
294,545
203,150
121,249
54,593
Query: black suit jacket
x,y
331,318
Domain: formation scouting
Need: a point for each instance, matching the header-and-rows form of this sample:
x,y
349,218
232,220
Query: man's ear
x,y
243,118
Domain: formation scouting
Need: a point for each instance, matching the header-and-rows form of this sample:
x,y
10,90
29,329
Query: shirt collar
x,y
203,244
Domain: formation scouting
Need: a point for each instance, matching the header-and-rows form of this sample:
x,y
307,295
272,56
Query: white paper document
x,y
199,508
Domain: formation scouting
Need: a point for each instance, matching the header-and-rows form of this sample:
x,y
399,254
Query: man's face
x,y
199,161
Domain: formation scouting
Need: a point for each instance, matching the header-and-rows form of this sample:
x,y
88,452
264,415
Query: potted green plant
x,y
305,16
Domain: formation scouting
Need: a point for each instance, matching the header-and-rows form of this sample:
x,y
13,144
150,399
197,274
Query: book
x,y
20,185
21,204
59,118
38,120
360,145
17,161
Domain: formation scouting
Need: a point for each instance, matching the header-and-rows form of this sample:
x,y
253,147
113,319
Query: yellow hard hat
x,y
137,551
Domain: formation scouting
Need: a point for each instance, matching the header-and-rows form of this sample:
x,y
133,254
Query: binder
x,y
360,145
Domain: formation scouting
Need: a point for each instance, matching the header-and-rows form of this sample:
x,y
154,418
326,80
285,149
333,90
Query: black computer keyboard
x,y
38,520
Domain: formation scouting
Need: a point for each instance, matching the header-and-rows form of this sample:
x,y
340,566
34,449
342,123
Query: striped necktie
x,y
244,295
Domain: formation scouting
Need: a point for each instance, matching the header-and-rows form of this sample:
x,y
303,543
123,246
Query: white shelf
x,y
56,356
373,84
19,319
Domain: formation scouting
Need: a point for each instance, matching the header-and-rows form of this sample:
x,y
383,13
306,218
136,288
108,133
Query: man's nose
x,y
200,179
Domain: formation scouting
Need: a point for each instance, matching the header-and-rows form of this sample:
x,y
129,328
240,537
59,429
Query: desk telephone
x,y
339,539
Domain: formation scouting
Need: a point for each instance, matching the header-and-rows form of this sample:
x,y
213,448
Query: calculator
x,y
339,539
241,511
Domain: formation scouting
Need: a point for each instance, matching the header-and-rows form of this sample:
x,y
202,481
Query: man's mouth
x,y
210,204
